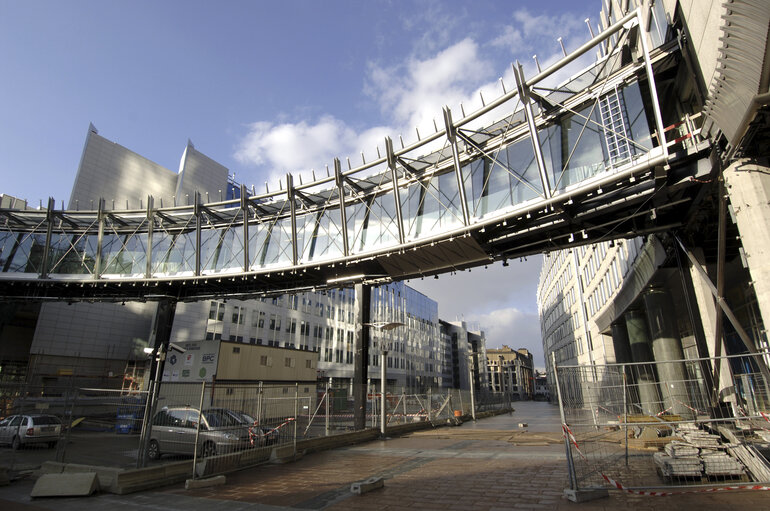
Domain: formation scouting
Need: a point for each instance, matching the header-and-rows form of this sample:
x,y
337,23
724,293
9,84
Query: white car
x,y
21,430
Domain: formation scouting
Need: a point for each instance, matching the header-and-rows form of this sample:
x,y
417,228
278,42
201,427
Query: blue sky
x,y
267,88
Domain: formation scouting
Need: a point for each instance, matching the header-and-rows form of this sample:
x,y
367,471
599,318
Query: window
x,y
263,360
308,364
236,349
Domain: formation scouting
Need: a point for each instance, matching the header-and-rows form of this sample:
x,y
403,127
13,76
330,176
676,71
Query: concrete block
x,y
284,454
368,485
77,484
523,424
208,482
585,495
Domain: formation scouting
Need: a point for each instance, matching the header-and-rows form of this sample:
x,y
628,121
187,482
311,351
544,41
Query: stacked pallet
x,y
702,440
679,466
721,464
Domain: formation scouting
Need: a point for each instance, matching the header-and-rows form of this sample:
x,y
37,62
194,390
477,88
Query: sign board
x,y
197,363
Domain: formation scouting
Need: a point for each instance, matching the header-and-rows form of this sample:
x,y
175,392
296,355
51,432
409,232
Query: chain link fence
x,y
667,424
221,426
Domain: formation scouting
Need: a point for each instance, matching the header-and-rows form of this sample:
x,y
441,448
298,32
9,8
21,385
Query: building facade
x,y
510,371
665,297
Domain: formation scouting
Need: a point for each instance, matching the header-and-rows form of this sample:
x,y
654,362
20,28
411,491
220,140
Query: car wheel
x,y
209,449
153,450
16,443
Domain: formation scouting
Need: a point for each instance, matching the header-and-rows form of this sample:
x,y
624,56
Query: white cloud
x,y
512,327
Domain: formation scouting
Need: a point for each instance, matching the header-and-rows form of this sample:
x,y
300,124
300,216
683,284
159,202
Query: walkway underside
x,y
576,154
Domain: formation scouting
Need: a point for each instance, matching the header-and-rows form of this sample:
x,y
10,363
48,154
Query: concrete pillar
x,y
620,342
644,375
748,186
667,350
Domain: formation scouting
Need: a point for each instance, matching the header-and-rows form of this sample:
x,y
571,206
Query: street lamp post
x,y
383,359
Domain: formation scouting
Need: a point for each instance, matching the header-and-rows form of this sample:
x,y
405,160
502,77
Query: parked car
x,y
21,430
174,428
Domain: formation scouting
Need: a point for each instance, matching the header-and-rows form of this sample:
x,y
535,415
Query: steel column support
x,y
148,249
451,135
338,179
361,354
653,87
396,196
293,210
245,213
521,84
197,213
99,239
48,233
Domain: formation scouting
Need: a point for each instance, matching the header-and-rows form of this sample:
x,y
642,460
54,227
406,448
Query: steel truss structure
x,y
576,154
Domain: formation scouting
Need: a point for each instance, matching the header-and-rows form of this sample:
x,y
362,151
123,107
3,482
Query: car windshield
x,y
44,420
220,419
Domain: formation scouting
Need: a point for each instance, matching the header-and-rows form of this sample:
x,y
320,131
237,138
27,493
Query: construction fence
x,y
661,425
212,423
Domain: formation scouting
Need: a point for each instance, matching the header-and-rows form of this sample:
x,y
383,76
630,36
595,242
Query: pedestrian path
x,y
490,465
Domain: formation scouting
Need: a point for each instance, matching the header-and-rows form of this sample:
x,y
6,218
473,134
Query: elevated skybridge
x,y
576,154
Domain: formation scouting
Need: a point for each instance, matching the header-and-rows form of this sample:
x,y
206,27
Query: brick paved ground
x,y
478,466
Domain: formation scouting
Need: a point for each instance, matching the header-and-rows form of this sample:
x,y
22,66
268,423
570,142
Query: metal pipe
x,y
383,359
198,428
570,463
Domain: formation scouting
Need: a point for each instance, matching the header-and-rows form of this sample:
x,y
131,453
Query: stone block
x,y
208,482
73,484
368,485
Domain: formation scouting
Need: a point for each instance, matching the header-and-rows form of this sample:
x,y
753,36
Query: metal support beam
x,y
339,180
361,354
451,135
48,232
521,84
396,196
245,214
198,220
150,227
99,240
293,209
744,337
653,88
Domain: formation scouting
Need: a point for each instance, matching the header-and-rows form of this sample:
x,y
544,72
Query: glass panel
x,y
381,228
325,241
72,254
22,252
173,253
278,250
524,176
637,118
581,151
356,215
221,249
124,254
258,237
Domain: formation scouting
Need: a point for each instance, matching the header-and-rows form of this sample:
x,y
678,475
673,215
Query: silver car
x,y
174,428
21,430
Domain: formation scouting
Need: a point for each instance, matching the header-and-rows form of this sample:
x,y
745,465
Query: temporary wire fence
x,y
667,425
219,425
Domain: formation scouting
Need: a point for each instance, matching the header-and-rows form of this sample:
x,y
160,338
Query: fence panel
x,y
69,424
663,424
